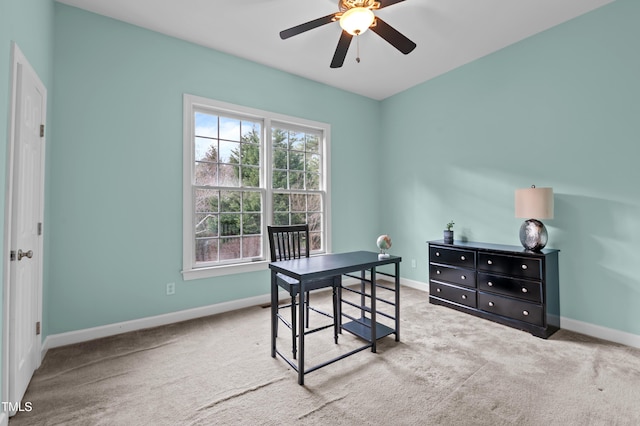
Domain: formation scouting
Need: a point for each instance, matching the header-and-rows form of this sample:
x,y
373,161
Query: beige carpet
x,y
448,369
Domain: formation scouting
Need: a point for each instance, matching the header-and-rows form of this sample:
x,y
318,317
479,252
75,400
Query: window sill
x,y
218,271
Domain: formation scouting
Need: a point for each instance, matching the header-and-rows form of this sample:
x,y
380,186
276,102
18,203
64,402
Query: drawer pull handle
x,y
525,313
464,296
463,277
490,284
437,254
524,266
489,262
490,303
524,290
463,258
438,290
437,272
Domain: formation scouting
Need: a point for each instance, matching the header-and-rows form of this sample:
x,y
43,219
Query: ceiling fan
x,y
355,17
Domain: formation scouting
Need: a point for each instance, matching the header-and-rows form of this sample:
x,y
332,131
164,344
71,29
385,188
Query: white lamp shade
x,y
534,203
357,20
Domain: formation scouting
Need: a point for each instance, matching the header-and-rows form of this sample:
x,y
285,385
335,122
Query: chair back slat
x,y
288,242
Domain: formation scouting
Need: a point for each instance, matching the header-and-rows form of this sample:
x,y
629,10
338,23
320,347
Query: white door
x,y
27,186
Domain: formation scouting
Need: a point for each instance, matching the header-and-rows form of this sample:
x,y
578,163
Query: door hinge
x,y
42,130
38,328
39,228
12,255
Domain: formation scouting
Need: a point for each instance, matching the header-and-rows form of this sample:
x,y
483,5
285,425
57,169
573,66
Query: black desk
x,y
326,266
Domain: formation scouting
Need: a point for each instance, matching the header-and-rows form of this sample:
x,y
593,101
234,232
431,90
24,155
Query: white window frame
x,y
190,103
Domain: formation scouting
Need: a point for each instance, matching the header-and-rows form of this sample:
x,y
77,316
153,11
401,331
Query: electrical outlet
x,y
413,263
171,289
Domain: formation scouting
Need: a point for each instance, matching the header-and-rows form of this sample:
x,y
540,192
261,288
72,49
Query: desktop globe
x,y
384,243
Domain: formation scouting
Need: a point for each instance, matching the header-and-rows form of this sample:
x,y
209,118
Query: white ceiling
x,y
449,33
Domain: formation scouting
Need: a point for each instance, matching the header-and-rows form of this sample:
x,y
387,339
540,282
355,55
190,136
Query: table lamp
x,y
534,204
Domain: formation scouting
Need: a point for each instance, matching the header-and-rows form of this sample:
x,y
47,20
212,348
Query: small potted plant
x,y
448,233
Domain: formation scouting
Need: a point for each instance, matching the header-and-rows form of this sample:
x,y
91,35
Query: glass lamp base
x,y
533,235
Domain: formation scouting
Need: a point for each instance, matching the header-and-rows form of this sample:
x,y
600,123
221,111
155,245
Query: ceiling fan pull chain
x,y
357,48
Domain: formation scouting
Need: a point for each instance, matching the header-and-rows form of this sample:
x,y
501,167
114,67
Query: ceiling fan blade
x,y
393,36
385,3
298,29
341,50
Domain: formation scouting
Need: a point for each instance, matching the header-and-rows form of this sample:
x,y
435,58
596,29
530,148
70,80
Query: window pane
x,y
251,224
206,149
298,218
229,225
312,181
279,159
251,246
250,154
296,180
206,125
250,177
281,219
313,143
280,202
251,202
229,152
296,161
280,180
279,138
315,221
251,131
206,174
230,201
230,129
316,241
314,203
296,141
298,202
312,163
206,250
229,248
206,200
229,175
206,225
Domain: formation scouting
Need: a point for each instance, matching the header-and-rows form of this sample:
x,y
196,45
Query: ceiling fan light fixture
x,y
357,20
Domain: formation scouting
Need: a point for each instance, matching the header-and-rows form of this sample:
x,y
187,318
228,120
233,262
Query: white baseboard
x,y
610,334
418,285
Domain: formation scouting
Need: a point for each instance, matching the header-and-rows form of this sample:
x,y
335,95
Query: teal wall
x,y
30,25
559,109
116,169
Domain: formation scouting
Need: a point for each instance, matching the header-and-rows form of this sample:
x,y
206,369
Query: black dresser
x,y
501,283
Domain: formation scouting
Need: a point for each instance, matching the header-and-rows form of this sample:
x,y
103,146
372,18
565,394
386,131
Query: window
x,y
245,169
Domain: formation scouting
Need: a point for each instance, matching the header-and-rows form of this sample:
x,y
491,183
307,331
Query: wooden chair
x,y
292,242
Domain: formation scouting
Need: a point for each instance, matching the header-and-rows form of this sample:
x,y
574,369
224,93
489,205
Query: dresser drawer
x,y
525,267
458,276
452,293
522,289
455,257
507,307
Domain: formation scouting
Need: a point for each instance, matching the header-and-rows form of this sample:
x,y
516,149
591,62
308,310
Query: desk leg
x,y
301,334
274,313
373,309
397,301
336,310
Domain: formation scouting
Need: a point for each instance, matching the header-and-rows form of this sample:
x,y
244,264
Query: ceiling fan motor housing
x,y
344,5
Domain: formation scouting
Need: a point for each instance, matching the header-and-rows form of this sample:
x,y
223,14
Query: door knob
x,y
22,254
